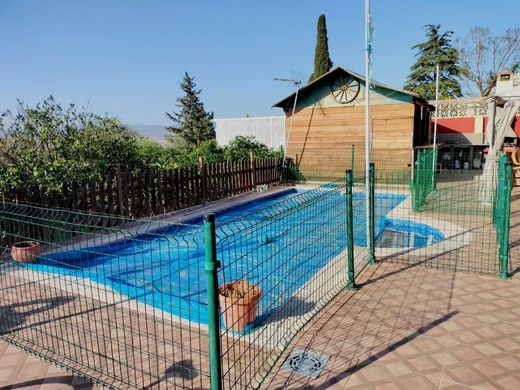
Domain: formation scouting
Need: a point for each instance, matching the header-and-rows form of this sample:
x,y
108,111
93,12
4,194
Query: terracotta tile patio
x,y
408,327
416,328
18,370
411,327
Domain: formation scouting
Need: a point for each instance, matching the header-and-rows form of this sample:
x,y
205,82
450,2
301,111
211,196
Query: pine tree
x,y
322,62
436,50
192,122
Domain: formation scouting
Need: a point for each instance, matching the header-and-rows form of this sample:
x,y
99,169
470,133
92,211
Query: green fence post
x,y
352,157
371,219
351,283
506,210
497,195
211,265
414,185
434,167
420,178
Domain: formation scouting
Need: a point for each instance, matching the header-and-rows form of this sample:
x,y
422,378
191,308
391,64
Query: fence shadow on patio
x,y
392,309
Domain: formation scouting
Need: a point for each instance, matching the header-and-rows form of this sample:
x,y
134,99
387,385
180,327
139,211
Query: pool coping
x,y
89,288
455,236
150,225
281,330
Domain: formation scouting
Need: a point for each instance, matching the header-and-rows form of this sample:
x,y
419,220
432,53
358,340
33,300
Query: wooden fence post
x,y
120,190
202,173
252,167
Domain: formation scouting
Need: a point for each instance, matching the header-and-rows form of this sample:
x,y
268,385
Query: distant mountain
x,y
154,132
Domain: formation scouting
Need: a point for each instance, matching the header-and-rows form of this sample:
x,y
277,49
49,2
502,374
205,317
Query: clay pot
x,y
25,251
239,312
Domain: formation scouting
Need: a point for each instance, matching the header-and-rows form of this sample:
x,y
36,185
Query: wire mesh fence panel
x,y
125,302
280,266
322,167
423,177
441,222
502,211
119,301
291,258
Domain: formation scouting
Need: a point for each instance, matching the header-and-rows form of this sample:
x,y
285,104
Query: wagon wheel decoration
x,y
345,89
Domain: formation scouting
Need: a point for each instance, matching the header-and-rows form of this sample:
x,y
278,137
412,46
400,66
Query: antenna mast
x,y
297,84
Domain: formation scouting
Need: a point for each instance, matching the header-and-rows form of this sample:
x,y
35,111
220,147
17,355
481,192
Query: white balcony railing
x,y
462,108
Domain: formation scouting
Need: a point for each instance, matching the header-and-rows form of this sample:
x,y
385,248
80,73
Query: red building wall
x,y
467,125
456,125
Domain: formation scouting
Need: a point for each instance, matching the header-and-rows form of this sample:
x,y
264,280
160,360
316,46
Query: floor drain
x,y
305,363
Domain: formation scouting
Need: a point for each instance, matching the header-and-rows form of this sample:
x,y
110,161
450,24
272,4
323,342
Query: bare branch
x,y
482,55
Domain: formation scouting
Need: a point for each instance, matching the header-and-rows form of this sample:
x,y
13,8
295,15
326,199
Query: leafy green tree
x,y
322,62
240,147
437,49
151,154
192,122
209,150
44,147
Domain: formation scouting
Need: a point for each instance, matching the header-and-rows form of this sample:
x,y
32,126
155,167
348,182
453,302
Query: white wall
x,y
268,130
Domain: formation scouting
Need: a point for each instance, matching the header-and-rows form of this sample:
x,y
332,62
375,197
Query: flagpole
x,y
436,105
434,168
368,34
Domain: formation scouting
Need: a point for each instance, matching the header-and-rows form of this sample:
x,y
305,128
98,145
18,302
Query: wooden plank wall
x,y
149,192
321,138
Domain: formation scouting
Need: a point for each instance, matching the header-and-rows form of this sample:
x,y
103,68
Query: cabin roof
x,y
284,103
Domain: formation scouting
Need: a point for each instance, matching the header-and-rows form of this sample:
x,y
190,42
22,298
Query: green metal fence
x,y
215,303
135,303
107,297
446,225
300,265
501,213
424,178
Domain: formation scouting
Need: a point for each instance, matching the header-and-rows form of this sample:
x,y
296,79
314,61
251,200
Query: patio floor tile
x,y
422,328
407,327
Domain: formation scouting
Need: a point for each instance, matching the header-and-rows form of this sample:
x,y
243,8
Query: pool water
x,y
267,241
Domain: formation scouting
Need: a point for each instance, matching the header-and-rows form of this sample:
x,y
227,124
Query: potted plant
x,y
238,302
25,251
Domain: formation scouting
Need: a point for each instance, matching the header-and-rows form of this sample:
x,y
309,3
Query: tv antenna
x,y
297,84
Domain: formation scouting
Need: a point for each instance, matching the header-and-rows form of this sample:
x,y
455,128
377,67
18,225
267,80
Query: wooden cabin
x,y
330,118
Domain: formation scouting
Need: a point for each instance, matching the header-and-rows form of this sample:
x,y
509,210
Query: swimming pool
x,y
403,233
278,242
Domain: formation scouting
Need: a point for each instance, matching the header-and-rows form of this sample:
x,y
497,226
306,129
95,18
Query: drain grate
x,y
306,363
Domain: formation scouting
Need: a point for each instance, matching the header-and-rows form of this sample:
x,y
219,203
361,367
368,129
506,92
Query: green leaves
x,y
435,50
46,148
192,122
43,148
240,147
322,62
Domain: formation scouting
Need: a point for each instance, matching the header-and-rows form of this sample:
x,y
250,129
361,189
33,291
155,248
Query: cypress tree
x,y
322,62
435,50
192,122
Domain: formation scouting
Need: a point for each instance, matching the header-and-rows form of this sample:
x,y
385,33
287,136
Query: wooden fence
x,y
149,192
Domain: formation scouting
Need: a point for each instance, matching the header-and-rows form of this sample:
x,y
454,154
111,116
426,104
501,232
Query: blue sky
x,y
127,58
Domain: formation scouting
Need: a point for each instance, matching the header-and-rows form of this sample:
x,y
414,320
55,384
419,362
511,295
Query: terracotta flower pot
x,y
238,312
25,251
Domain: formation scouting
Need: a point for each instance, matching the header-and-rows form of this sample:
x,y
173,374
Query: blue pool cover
x,y
265,241
404,233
